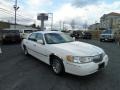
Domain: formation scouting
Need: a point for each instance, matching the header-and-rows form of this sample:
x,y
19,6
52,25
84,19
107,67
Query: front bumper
x,y
108,39
85,69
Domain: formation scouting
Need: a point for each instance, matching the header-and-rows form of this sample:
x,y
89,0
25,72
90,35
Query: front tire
x,y
57,66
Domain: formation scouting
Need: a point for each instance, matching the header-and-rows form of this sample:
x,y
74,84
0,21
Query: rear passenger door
x,y
31,44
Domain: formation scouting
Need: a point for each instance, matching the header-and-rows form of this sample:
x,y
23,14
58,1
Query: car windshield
x,y
56,38
28,31
107,32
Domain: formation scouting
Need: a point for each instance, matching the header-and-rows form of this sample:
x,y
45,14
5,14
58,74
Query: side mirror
x,y
40,41
74,38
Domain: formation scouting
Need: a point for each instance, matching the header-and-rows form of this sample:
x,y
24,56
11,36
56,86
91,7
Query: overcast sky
x,y
82,11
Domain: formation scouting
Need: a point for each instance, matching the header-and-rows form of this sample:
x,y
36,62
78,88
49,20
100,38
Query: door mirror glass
x,y
74,38
40,41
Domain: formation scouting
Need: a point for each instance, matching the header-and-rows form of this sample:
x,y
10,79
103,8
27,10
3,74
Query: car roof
x,y
44,32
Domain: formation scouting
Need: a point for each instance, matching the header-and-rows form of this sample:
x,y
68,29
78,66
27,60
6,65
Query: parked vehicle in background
x,y
54,30
10,36
117,37
86,35
67,32
76,34
64,54
25,33
81,35
107,35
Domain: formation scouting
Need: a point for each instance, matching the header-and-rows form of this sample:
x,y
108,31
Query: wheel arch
x,y
53,55
61,60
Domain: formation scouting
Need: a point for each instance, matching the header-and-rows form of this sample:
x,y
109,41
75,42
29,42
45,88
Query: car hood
x,y
76,48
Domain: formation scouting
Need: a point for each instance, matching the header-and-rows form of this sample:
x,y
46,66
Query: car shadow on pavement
x,y
87,78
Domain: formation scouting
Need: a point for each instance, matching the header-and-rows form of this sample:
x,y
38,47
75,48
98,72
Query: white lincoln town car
x,y
64,54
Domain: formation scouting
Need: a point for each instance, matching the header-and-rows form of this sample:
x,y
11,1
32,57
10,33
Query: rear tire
x,y
57,66
25,51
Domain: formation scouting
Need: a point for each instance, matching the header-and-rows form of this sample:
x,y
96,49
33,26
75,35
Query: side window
x,y
32,37
20,31
39,37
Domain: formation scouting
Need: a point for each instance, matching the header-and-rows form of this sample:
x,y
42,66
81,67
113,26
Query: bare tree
x,y
85,25
73,24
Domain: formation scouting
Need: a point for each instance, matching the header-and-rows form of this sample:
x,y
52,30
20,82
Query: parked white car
x,y
25,33
64,54
107,35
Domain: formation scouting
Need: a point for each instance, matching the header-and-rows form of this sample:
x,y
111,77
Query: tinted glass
x,y
39,36
28,31
107,32
55,38
32,37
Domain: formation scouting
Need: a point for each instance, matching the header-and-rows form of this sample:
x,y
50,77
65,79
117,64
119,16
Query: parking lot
x,y
19,72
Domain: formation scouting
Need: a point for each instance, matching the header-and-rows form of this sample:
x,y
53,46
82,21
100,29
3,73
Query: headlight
x,y
103,54
78,59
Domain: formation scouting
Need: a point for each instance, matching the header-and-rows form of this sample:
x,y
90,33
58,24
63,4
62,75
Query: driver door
x,y
41,51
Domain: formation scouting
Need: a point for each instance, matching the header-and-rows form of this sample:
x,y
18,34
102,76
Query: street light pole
x,y
60,25
15,8
63,25
52,22
15,12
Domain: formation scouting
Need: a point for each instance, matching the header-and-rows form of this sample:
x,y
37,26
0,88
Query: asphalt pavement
x,y
0,51
20,72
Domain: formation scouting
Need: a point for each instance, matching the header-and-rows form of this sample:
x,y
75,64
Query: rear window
x,y
10,31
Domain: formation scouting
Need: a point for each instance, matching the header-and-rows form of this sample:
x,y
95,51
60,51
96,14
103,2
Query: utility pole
x,y
63,25
60,25
15,8
51,20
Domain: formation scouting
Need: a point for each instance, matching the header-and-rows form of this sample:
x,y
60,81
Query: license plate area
x,y
101,66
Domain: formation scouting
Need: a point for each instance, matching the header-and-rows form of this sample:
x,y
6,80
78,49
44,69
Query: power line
x,y
10,19
17,14
20,16
13,15
20,1
9,12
